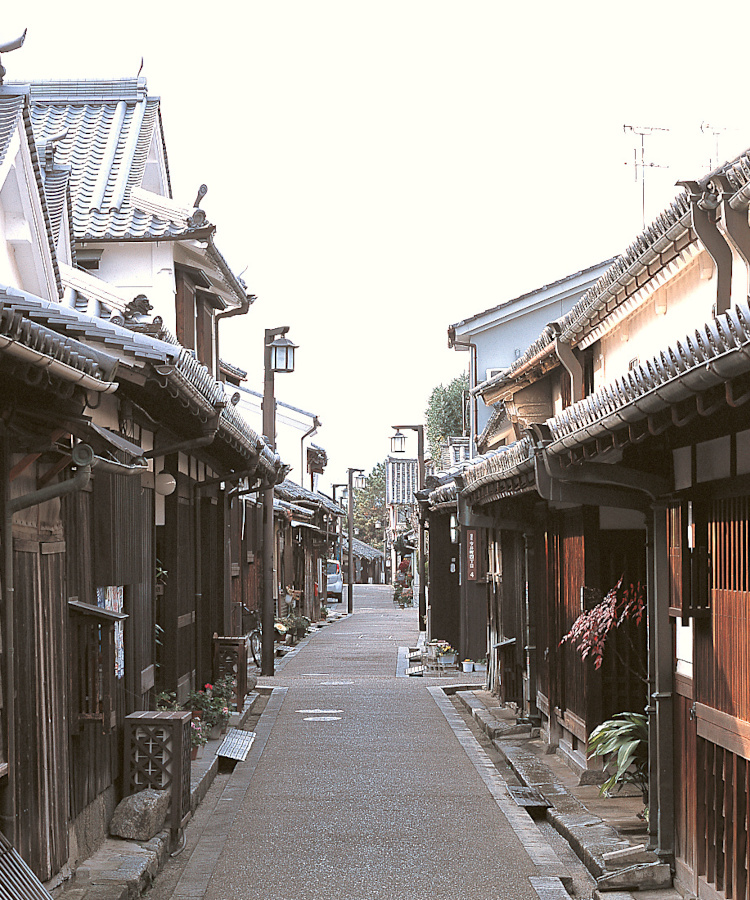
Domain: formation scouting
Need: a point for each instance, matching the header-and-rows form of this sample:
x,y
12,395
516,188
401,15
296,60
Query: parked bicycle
x,y
253,628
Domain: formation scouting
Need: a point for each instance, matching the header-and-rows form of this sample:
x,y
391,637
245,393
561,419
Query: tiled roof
x,y
41,347
73,323
401,481
295,493
506,463
14,109
174,367
10,112
712,355
361,549
108,128
498,416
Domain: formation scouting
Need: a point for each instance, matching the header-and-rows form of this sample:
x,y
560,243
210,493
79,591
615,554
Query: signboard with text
x,y
471,554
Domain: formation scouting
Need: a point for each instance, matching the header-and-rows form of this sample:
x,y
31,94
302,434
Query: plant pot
x,y
448,659
480,667
194,753
215,733
468,665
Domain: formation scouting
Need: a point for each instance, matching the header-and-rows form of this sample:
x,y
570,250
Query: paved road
x,y
362,783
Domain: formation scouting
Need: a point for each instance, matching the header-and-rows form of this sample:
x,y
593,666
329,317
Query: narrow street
x,y
362,783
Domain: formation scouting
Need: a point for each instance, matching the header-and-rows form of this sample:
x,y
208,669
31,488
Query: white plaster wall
x,y
143,268
680,305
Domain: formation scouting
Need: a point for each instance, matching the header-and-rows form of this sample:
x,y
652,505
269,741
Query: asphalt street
x,y
362,783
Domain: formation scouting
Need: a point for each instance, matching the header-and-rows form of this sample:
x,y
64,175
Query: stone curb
x,y
124,870
588,835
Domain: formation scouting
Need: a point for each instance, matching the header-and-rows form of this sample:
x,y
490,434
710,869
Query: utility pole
x,y
641,165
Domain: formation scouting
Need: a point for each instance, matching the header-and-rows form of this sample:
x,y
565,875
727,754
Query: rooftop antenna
x,y
715,130
7,47
640,166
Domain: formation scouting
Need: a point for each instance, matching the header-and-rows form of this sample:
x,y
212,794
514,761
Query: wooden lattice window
x,y
93,680
690,555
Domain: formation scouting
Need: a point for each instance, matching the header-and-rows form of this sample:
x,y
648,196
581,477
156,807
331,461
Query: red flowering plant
x,y
590,631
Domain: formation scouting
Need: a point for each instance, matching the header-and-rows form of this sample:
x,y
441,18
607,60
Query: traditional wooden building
x,y
123,458
633,463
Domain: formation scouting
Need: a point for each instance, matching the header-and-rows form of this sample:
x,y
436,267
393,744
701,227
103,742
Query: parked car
x,y
335,580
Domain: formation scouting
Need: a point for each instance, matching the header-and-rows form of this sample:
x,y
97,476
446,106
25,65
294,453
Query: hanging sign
x,y
471,554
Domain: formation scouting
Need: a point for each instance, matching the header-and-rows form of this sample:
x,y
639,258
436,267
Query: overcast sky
x,y
381,170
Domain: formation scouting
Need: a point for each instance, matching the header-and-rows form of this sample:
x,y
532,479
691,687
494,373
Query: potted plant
x,y
197,737
467,665
323,613
446,654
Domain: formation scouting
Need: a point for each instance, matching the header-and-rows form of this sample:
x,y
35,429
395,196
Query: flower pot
x,y
468,665
215,732
480,667
448,659
193,753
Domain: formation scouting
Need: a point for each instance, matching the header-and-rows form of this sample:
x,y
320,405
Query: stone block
x,y
140,816
628,856
649,876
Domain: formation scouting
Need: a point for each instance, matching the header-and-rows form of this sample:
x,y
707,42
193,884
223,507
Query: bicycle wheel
x,y
255,647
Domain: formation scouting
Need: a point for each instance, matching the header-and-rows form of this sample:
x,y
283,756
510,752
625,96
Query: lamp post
x,y
398,445
350,586
339,529
278,356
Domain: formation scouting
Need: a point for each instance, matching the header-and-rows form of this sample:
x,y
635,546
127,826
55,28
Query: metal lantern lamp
x,y
282,354
398,442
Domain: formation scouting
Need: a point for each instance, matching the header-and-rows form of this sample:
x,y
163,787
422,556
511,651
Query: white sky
x,y
383,170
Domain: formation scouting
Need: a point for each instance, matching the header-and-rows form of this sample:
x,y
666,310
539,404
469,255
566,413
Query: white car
x,y
334,579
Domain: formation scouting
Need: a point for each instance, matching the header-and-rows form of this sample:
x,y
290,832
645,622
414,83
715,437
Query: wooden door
x,y
39,712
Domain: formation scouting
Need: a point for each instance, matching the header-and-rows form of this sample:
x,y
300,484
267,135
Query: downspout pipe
x,y
572,366
193,444
83,458
315,426
734,223
455,343
704,202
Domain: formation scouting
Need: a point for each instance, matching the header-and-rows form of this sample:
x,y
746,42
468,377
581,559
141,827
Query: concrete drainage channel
x,y
621,871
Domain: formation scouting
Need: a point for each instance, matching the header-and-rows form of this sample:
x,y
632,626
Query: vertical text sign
x,y
471,554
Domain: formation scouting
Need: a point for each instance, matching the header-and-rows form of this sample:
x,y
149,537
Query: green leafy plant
x,y
622,742
166,701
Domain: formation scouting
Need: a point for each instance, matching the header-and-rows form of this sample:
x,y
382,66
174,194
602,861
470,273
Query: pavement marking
x,y
337,682
540,852
322,719
320,710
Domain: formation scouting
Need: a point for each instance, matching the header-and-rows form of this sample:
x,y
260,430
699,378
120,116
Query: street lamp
x,y
398,445
278,356
350,587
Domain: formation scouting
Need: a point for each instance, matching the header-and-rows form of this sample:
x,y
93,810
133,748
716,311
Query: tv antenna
x,y
715,130
640,166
